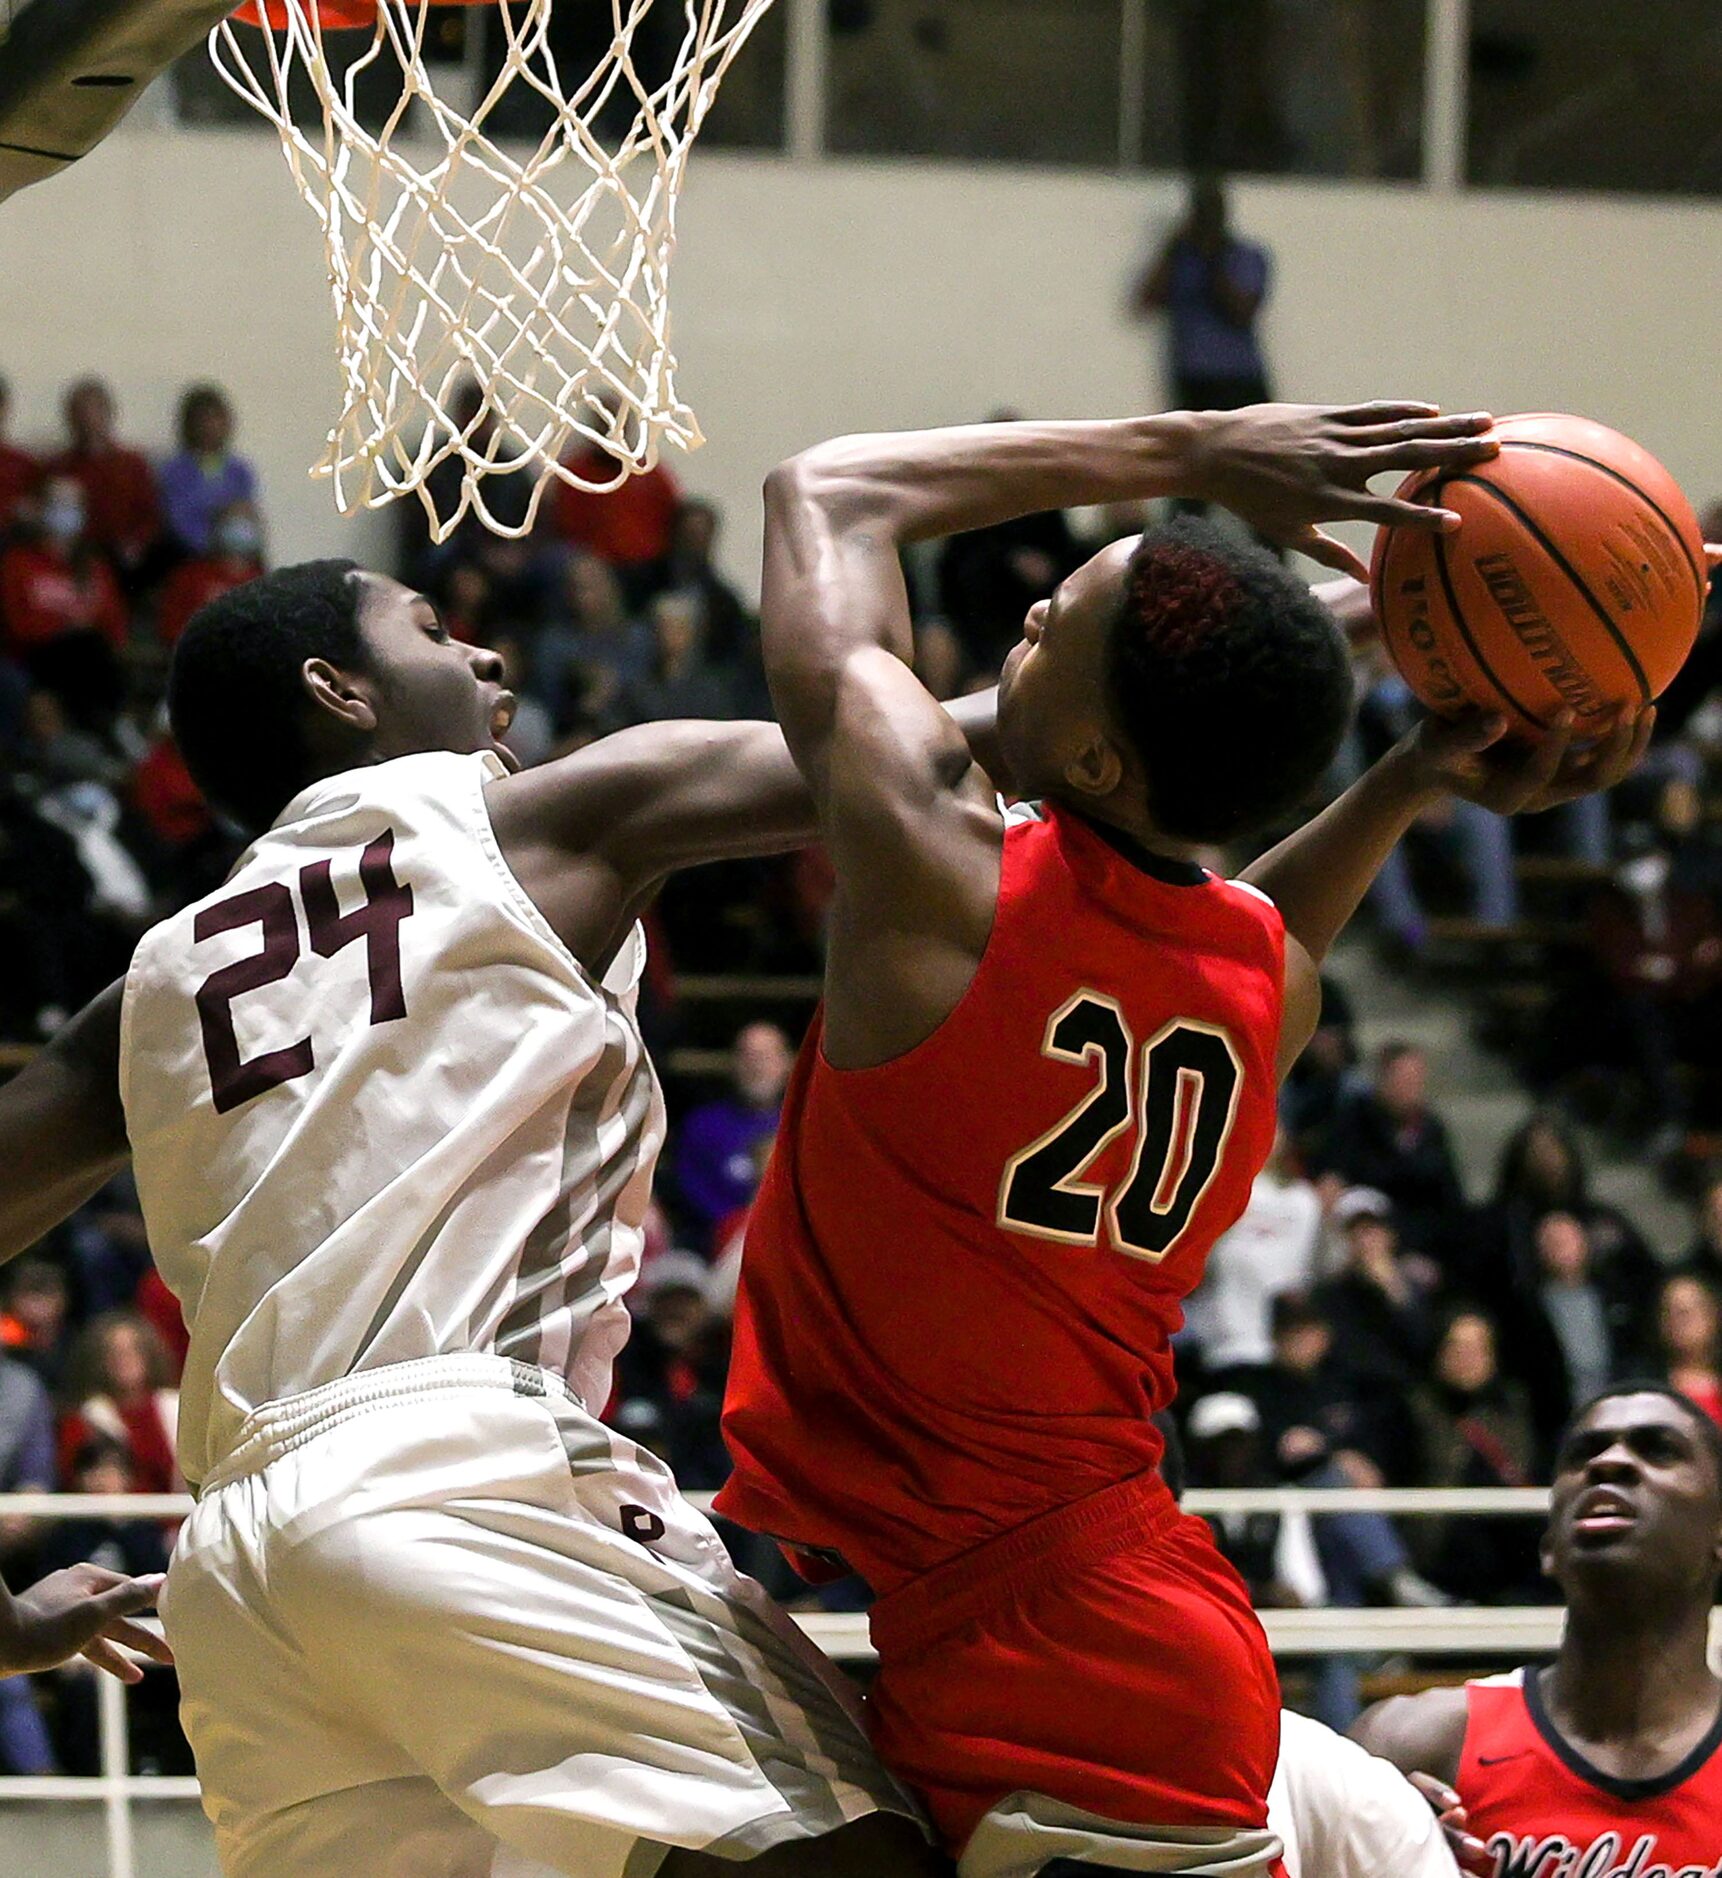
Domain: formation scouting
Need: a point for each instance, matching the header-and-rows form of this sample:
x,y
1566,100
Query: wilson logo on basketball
x,y
1508,590
1558,1857
1439,686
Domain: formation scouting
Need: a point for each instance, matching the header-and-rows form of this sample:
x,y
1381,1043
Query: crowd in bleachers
x,y
1369,1321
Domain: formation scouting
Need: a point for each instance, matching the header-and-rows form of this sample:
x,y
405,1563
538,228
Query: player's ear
x,y
1096,769
343,695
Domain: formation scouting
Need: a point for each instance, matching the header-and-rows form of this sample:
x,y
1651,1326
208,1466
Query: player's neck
x,y
1617,1679
1127,829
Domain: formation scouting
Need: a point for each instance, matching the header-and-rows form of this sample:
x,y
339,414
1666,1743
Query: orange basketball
x,y
1576,581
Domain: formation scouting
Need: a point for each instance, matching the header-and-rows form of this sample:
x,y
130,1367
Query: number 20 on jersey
x,y
1178,1091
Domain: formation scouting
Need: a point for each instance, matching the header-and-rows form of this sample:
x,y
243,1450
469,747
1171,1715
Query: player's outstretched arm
x,y
592,835
1318,876
62,1127
85,1610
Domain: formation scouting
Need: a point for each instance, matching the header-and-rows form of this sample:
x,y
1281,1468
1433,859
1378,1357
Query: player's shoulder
x,y
1419,1734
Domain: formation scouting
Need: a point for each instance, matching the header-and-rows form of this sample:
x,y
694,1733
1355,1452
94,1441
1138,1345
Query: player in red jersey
x,y
1608,1764
1041,1084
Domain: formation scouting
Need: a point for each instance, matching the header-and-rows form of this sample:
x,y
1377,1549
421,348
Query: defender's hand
x,y
1472,757
82,1611
1470,1854
1284,468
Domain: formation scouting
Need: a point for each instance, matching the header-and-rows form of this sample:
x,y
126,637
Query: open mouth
x,y
501,717
1602,1512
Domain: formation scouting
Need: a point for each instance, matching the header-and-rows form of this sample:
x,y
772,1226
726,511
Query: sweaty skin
x,y
1634,1542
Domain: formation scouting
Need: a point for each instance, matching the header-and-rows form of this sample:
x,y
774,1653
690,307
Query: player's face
x,y
1054,723
1636,1492
427,690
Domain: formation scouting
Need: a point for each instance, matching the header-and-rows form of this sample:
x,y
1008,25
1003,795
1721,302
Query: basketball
x,y
1575,583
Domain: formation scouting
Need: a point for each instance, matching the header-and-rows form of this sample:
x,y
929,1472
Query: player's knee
x,y
877,1847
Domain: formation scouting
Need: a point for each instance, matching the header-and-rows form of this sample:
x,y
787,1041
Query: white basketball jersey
x,y
379,1112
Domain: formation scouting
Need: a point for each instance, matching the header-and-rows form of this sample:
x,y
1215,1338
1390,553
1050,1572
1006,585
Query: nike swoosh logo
x,y
1494,1760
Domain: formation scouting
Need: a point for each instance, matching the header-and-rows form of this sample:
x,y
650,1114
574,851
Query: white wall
x,y
814,299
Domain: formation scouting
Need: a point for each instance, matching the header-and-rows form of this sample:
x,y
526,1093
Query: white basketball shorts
x,y
434,1621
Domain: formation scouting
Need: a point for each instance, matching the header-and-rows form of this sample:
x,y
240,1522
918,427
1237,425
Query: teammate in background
x,y
1041,1084
85,1610
393,1129
1609,1760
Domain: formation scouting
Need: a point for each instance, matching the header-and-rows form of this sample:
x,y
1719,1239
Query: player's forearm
x,y
911,485
1318,876
62,1129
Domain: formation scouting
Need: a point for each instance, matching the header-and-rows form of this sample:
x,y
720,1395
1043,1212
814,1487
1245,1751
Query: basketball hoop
x,y
537,277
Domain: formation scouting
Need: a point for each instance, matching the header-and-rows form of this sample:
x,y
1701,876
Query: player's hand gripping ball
x,y
1574,585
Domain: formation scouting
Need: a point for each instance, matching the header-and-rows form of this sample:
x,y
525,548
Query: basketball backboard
x,y
71,69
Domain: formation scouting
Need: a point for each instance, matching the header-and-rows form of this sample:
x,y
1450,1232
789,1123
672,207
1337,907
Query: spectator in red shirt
x,y
19,471
119,486
631,527
119,1379
61,610
234,556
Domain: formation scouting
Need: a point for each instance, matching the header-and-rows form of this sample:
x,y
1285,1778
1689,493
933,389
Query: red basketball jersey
x,y
965,1267
1545,1812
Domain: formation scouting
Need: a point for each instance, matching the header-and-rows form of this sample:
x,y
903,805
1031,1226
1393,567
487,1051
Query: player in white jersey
x,y
393,1129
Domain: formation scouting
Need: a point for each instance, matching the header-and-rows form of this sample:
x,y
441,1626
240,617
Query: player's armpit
x,y
1417,1733
62,1125
1300,1010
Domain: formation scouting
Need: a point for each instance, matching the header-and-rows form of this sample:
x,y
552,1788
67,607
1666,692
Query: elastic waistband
x,y
279,1427
1137,1511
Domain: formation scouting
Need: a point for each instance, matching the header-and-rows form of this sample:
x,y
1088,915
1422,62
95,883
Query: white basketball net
x,y
539,275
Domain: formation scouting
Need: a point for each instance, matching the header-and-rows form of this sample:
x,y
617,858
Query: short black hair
x,y
1651,1385
197,398
1230,680
235,698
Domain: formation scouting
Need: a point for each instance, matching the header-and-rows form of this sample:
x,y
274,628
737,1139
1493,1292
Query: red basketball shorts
x,y
1104,1655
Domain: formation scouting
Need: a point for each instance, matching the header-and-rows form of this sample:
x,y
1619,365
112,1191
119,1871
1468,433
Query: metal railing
x,y
843,1636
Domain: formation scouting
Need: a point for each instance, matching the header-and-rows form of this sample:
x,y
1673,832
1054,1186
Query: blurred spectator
x,y
26,1466
632,527
120,497
1315,1412
988,578
679,679
234,555
1476,1431
1378,1302
1704,1256
1387,1137
118,1379
1212,285
1689,1341
716,1161
1312,1095
63,616
102,1466
19,470
1274,1553
507,497
1566,1345
33,1327
1656,943
1270,1251
592,653
208,477
688,566
1491,1256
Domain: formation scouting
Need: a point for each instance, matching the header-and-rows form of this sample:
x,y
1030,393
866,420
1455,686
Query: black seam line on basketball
x,y
30,149
1458,617
1644,496
1572,574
